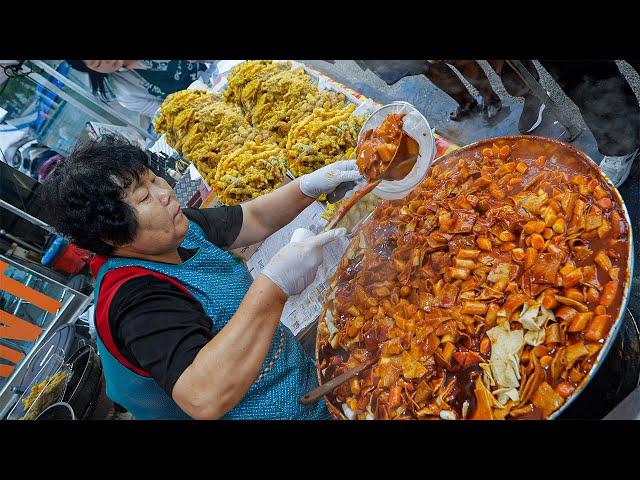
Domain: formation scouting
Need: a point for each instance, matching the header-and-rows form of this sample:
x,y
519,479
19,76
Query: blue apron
x,y
219,283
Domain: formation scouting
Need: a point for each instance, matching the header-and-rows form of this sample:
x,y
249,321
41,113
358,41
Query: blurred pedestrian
x,y
609,108
139,85
440,73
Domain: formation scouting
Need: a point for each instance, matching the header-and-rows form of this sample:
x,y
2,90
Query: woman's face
x,y
108,66
161,224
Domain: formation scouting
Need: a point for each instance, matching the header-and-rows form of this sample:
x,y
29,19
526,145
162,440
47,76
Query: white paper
x,y
225,66
199,85
193,172
161,146
301,310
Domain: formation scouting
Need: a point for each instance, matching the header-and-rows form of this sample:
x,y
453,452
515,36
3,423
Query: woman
x,y
183,330
139,85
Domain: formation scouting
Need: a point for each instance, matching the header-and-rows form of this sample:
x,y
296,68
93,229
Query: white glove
x,y
294,267
326,179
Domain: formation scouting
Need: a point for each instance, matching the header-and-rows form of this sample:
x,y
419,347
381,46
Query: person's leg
x,y
531,116
605,99
512,82
443,77
609,108
472,71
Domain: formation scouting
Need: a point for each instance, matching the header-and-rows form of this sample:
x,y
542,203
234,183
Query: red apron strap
x,y
111,282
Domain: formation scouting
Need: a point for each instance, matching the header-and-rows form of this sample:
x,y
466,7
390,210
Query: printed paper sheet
x,y
301,310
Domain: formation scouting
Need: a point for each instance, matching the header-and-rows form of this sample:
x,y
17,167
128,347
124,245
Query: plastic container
x,y
61,343
58,244
47,396
72,259
57,411
65,257
415,125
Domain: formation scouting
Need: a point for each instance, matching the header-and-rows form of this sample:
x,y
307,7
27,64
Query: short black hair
x,y
84,195
96,79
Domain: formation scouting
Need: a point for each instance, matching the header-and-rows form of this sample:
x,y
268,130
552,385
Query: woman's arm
x,y
133,96
265,215
224,369
143,105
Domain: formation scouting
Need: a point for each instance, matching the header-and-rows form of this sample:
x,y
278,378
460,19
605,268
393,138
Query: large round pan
x,y
593,170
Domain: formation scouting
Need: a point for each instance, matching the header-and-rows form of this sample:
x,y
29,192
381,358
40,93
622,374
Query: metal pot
x,y
625,282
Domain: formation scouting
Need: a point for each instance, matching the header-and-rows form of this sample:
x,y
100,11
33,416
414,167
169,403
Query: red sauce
x,y
377,148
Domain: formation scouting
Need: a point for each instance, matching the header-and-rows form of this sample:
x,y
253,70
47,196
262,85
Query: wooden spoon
x,y
317,393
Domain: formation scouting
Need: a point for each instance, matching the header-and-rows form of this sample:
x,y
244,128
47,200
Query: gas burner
x,y
616,378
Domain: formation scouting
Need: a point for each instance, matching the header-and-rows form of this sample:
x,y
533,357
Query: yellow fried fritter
x,y
268,119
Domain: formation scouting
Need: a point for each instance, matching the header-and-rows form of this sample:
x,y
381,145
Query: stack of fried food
x,y
327,134
270,118
211,133
248,172
270,94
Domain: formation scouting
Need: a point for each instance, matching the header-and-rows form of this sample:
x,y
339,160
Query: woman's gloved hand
x,y
294,267
326,179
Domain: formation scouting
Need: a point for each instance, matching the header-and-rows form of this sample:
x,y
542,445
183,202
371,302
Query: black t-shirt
x,y
157,327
